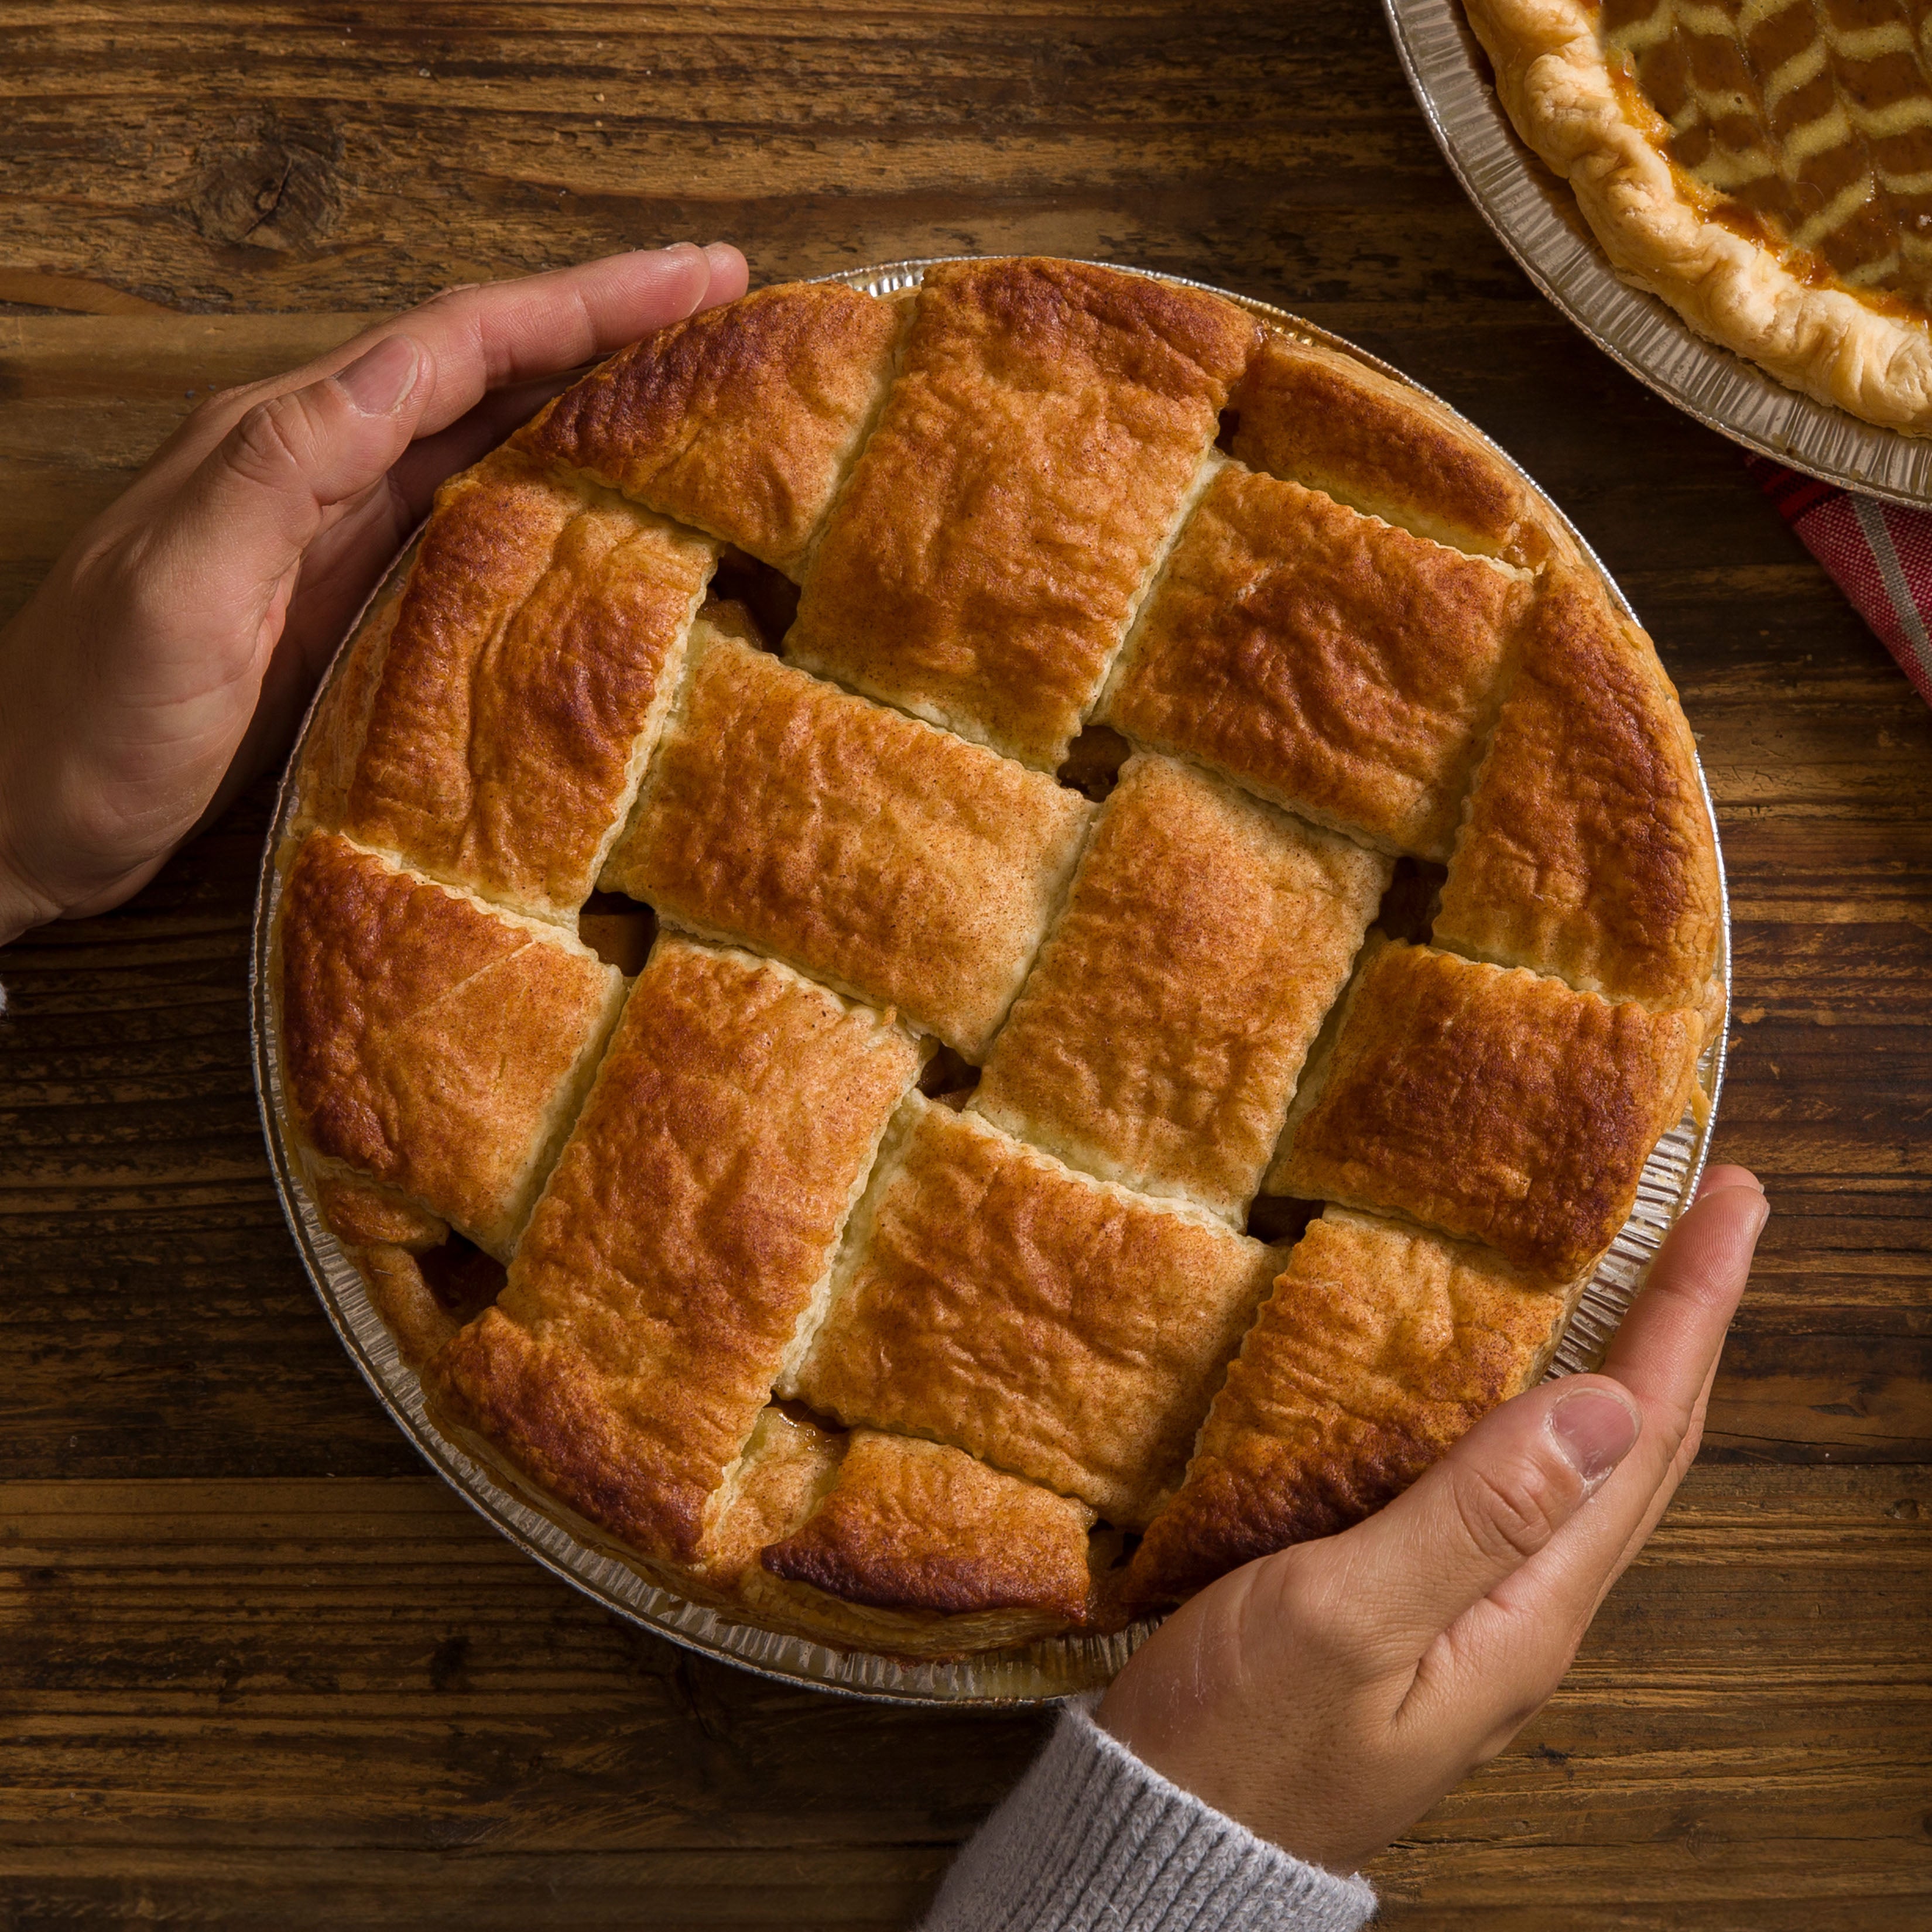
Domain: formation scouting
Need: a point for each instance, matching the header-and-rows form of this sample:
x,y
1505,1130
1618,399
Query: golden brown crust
x,y
1038,1341
362,1213
871,851
423,1296
687,1229
1586,851
982,568
1494,1104
1315,416
1335,665
1049,1324
742,421
1660,227
1158,1041
334,741
532,657
914,1525
1379,1348
440,1046
789,1463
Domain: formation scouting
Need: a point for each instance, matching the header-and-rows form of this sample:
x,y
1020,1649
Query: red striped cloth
x,y
1878,554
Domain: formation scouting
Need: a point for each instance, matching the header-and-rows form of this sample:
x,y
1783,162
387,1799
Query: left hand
x,y
167,659
1328,1696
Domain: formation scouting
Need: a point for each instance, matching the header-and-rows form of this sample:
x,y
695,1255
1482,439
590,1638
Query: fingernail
x,y
1727,1179
702,287
380,379
1594,1432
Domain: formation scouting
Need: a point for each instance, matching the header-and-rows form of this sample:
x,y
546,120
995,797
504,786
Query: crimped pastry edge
x,y
766,1603
1652,219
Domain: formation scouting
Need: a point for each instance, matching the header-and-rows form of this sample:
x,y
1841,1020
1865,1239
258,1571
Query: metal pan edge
x,y
1039,1673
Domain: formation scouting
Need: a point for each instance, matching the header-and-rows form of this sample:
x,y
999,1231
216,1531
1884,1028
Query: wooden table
x,y
262,1668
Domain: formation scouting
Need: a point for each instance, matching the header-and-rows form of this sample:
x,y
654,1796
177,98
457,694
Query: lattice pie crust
x,y
798,1087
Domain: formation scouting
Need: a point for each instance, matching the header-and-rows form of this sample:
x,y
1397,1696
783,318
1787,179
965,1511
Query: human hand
x,y
1328,1696
167,659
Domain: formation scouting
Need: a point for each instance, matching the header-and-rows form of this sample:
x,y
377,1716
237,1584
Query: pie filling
x,y
1809,121
955,962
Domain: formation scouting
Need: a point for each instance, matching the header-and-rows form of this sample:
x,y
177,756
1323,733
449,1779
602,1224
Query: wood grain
x,y
261,1668
171,1627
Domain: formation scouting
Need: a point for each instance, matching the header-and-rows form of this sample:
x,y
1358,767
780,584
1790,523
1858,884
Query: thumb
x,y
1491,1503
262,496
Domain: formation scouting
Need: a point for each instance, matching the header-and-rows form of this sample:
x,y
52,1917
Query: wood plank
x,y
476,1892
217,157
409,1695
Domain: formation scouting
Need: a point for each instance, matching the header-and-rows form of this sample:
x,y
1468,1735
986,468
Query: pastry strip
x,y
1001,526
532,658
683,1241
1053,1325
872,851
742,420
1380,1346
1158,1041
439,1045
1586,851
914,1525
1324,659
1316,416
1497,1105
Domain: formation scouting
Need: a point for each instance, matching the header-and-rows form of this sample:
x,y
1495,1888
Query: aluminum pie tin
x,y
1536,219
551,1535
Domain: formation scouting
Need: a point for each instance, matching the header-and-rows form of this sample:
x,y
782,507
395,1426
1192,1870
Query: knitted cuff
x,y
1093,1840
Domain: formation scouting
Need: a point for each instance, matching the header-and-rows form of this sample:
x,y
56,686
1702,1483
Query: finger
x,y
1487,1508
1687,1454
1665,1346
1504,1657
245,515
508,332
1665,1356
495,333
1493,1506
431,461
1665,1493
1727,1173
1498,1662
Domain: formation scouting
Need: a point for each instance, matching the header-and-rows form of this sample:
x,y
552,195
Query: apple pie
x,y
951,962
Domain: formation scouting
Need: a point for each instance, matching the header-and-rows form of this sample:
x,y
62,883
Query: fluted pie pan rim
x,y
593,1562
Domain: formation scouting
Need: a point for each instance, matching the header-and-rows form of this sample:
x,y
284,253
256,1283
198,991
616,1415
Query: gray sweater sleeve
x,y
1091,1839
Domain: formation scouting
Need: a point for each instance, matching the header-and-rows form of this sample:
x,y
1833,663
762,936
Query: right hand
x,y
1328,1696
